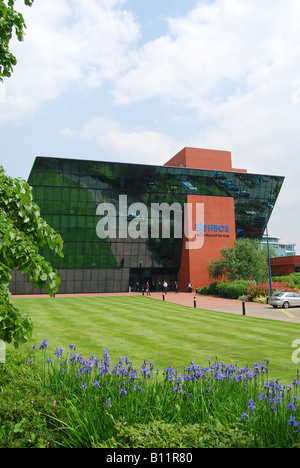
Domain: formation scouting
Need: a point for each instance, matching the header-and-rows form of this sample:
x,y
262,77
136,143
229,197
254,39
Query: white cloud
x,y
219,50
135,145
67,44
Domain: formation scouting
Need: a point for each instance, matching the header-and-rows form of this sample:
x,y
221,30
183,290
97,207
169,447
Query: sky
x,y
136,81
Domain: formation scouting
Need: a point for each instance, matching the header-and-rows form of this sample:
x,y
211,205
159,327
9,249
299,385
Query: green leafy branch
x,y
22,233
10,21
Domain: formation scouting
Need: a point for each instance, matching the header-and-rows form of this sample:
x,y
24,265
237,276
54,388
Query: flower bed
x,y
97,399
257,290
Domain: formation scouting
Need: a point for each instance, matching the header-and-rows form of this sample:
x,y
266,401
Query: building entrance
x,y
155,277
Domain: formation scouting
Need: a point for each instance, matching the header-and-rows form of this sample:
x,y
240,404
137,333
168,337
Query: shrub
x,y
208,290
260,299
243,298
212,289
293,279
256,290
285,279
159,434
204,290
232,290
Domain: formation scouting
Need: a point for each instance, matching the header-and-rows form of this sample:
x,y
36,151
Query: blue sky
x,y
128,80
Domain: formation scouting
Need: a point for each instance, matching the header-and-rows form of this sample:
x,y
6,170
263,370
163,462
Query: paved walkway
x,y
232,306
208,303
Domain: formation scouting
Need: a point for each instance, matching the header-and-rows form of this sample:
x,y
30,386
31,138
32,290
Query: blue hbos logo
x,y
212,228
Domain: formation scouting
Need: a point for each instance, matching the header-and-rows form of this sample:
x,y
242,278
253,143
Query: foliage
x,y
260,300
10,20
159,434
26,411
232,289
101,405
227,289
22,233
263,290
243,261
293,280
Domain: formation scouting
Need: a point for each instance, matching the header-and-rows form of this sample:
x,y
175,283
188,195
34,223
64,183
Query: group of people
x,y
165,287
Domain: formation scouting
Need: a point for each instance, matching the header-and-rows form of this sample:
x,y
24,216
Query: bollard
x,y
195,303
2,352
244,308
163,294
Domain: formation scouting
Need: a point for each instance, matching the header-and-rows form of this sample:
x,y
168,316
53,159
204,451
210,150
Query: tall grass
x,y
98,400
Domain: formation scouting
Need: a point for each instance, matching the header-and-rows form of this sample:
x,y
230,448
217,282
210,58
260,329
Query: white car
x,y
285,299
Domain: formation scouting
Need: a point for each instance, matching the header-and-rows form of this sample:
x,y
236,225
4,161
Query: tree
x,y
244,261
10,21
22,233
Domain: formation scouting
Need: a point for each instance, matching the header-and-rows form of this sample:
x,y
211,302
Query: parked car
x,y
285,299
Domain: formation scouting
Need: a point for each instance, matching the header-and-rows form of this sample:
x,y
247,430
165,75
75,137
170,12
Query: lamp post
x,y
269,259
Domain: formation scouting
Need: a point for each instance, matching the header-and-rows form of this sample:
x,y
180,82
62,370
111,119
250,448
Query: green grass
x,y
164,333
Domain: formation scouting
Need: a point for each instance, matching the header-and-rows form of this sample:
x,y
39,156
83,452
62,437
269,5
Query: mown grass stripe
x,y
164,333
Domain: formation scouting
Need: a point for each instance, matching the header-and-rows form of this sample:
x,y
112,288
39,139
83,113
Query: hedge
x,y
232,289
227,289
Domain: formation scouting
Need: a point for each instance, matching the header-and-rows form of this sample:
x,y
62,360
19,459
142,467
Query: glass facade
x,y
68,193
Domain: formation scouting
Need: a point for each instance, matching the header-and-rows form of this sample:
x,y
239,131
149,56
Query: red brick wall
x,y
219,212
199,158
284,265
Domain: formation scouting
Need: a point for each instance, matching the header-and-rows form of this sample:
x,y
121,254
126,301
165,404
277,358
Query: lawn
x,y
164,333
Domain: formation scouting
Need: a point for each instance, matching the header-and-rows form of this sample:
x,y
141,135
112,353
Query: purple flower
x,y
251,405
58,352
44,344
292,422
108,403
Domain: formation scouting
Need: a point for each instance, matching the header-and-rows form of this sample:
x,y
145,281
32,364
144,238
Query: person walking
x,y
148,289
165,287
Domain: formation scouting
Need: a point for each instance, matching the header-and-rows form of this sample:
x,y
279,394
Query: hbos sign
x,y
212,228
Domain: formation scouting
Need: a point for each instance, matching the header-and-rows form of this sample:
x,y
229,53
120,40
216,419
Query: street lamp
x,y
269,259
